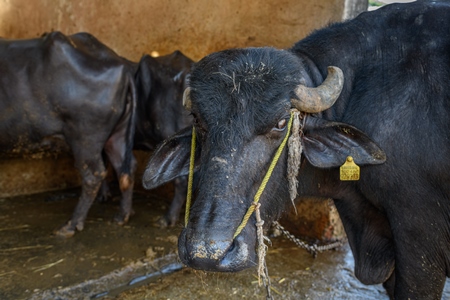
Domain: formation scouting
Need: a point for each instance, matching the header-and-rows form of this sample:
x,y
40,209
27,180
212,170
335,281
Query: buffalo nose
x,y
222,255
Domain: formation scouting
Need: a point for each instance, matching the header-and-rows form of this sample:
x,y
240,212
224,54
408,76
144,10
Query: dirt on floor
x,y
34,260
139,260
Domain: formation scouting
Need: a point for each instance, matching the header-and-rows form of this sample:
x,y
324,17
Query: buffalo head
x,y
160,82
241,101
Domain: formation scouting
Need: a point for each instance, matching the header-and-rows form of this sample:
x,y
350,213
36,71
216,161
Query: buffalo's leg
x,y
104,193
419,264
415,283
172,215
92,173
115,149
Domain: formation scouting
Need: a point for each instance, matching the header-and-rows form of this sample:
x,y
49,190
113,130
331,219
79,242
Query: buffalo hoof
x,y
103,198
66,231
162,222
104,194
166,221
122,218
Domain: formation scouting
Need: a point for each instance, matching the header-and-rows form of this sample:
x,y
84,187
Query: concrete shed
x,y
134,28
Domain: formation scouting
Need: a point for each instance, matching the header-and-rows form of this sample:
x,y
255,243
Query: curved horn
x,y
187,98
313,100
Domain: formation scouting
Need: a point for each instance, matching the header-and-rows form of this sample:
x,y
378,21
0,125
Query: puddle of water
x,y
33,260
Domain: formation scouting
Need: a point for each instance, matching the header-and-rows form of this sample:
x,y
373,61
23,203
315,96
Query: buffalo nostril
x,y
239,255
232,246
212,254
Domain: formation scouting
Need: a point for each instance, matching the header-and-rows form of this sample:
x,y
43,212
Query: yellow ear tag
x,y
349,171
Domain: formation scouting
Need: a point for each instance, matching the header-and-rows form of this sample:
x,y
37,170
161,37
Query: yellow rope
x,y
258,194
265,180
190,178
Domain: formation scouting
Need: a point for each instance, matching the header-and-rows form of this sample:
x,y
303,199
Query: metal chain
x,y
313,249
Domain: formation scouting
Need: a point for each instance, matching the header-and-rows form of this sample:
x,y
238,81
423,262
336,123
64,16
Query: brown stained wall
x,y
135,27
29,176
196,27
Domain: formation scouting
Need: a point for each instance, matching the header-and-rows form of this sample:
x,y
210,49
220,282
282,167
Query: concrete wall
x,y
135,27
196,27
32,175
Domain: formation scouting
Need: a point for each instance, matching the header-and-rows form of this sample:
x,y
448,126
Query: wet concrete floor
x,y
139,261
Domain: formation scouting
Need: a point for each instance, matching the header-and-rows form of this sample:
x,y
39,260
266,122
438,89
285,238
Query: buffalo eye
x,y
281,125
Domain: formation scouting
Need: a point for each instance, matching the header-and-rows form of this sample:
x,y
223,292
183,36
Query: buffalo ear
x,y
327,144
170,160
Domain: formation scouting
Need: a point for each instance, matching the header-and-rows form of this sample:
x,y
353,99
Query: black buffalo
x,y
160,82
72,93
389,77
62,92
160,114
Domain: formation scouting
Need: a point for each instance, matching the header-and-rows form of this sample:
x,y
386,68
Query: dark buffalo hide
x,y
392,115
62,92
74,94
160,83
